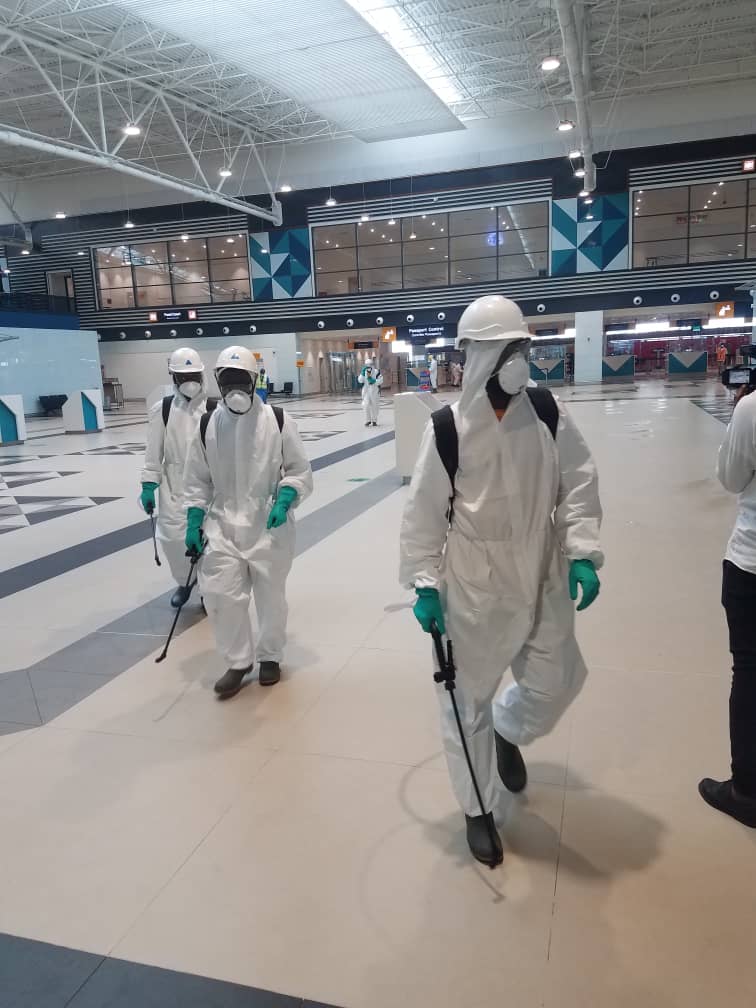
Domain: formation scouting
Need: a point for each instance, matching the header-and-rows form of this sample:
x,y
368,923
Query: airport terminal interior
x,y
339,210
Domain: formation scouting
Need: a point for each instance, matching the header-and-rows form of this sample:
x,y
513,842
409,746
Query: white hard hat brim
x,y
491,335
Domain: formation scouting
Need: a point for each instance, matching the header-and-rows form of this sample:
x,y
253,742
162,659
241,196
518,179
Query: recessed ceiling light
x,y
79,253
372,230
589,216
60,215
330,201
131,129
392,222
25,252
337,245
580,173
550,63
413,235
583,192
565,125
184,237
229,241
285,187
431,248
365,217
224,172
588,201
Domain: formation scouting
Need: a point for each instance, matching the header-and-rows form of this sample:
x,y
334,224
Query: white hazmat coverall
x,y
370,395
433,369
165,458
525,504
235,478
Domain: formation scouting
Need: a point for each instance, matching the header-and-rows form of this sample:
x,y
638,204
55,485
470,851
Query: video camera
x,y
737,377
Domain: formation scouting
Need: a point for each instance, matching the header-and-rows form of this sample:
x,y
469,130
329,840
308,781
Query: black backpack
x,y
168,402
447,440
278,413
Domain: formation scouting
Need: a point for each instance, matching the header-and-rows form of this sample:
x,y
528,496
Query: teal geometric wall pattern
x,y
590,238
281,264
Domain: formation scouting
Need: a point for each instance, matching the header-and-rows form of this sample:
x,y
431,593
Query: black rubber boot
x,y
181,596
479,838
270,673
721,796
230,682
511,765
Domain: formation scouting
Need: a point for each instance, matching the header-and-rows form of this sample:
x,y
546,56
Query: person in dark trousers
x,y
736,469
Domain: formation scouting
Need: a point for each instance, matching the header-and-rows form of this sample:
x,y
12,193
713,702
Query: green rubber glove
x,y
147,497
280,510
371,381
194,519
428,608
583,573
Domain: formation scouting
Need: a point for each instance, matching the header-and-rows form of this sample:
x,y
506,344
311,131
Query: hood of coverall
x,y
486,328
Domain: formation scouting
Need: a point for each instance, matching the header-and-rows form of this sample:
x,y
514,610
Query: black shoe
x,y
270,673
722,796
230,682
181,596
511,765
483,840
367,424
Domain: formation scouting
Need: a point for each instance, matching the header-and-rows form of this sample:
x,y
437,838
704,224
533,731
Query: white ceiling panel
x,y
324,55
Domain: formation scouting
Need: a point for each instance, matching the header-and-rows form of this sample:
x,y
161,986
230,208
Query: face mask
x,y
514,375
190,389
237,401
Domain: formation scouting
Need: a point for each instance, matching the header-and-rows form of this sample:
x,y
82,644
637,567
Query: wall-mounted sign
x,y
362,345
724,309
749,164
173,315
388,334
421,335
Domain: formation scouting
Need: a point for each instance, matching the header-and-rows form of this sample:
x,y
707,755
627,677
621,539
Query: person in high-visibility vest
x,y
261,388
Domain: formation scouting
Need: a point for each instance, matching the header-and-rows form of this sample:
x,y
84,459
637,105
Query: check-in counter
x,y
618,368
684,365
547,370
418,378
82,412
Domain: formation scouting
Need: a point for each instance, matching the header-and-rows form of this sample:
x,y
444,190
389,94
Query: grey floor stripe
x,y
320,524
27,575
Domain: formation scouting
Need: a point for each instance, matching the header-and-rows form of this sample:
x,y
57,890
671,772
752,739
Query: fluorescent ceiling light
x,y
565,125
550,63
412,44
60,215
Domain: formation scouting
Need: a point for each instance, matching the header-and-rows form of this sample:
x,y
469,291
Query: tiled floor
x,y
163,848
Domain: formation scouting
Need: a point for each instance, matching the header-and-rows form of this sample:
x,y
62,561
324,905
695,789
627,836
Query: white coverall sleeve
x,y
425,525
578,511
361,378
735,465
296,471
153,456
198,481
379,379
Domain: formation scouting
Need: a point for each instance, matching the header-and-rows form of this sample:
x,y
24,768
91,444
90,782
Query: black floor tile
x,y
36,975
119,984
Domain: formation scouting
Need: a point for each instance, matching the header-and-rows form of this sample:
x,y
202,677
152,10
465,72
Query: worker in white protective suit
x,y
371,380
245,471
496,542
433,371
172,425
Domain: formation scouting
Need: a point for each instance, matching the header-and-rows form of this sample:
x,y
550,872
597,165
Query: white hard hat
x,y
236,357
489,318
185,361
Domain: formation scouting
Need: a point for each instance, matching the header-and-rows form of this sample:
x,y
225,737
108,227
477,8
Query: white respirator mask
x,y
190,389
514,375
238,401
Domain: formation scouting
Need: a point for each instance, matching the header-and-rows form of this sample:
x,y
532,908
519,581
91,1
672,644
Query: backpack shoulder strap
x,y
546,408
279,415
167,403
210,404
447,441
204,421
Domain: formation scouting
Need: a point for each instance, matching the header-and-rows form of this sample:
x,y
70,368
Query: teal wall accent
x,y
697,365
8,425
90,413
626,370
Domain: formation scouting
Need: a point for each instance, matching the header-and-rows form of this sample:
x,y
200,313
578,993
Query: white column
x,y
589,346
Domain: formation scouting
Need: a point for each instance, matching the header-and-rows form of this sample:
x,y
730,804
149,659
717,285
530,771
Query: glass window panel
x,y
426,275
381,279
717,222
115,256
752,244
221,247
336,283
149,252
434,250
154,296
122,297
473,271
376,233
190,272
191,293
660,253
344,235
717,195
146,276
385,254
752,215
230,290
524,215
715,248
661,227
118,277
463,222
660,201
336,260
474,246
532,264
527,240
425,226
228,269
192,248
